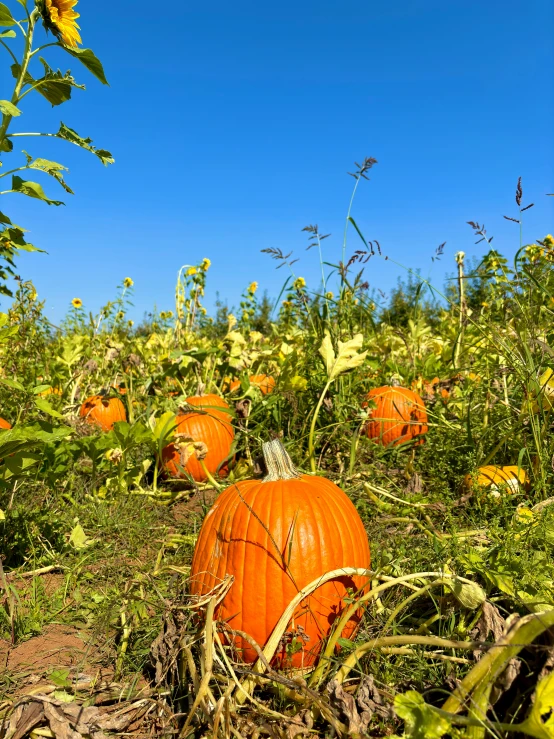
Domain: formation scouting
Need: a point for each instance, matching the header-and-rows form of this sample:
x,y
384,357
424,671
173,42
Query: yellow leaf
x,y
347,356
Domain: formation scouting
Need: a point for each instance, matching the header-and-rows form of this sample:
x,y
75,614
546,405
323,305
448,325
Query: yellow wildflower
x,y
128,282
329,295
206,264
130,324
549,240
191,271
77,302
299,283
120,315
203,311
60,18
253,287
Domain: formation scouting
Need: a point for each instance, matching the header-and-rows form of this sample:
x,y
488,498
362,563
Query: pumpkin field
x,y
321,513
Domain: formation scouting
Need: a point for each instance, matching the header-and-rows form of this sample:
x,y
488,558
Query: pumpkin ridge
x,y
320,518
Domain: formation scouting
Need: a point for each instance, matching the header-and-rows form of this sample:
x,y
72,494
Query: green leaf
x,y
78,539
68,134
543,706
51,168
8,34
90,61
8,108
421,722
19,462
5,333
54,86
32,190
43,405
14,384
60,678
38,389
6,18
163,427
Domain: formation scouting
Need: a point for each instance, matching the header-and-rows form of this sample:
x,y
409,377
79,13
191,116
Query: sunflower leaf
x,y
68,134
51,168
8,34
8,108
89,59
6,18
55,86
32,190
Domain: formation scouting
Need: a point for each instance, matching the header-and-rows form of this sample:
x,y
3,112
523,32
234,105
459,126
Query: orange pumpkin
x,y
275,536
266,383
99,410
511,478
211,427
4,424
399,416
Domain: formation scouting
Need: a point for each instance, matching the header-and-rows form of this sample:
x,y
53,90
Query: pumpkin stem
x,y
278,463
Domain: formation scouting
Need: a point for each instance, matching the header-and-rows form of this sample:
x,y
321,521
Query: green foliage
x,y
56,87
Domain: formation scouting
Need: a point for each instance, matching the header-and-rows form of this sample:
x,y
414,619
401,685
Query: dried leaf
x,y
490,622
346,703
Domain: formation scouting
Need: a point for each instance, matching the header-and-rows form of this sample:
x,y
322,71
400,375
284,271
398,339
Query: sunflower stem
x,y
20,81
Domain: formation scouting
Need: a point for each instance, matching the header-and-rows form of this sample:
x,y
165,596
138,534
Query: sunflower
x,y
77,303
60,18
128,282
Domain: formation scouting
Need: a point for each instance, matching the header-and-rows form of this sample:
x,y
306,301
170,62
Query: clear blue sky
x,y
233,126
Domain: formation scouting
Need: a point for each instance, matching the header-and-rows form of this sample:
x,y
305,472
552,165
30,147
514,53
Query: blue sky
x,y
233,126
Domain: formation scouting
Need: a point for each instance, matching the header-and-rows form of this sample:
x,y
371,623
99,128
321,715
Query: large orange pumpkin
x,y
4,424
399,416
512,478
104,412
212,427
266,383
275,536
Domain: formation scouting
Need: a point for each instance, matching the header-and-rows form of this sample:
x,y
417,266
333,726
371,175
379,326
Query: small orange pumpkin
x,y
212,427
511,478
275,536
266,383
399,416
4,424
99,410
